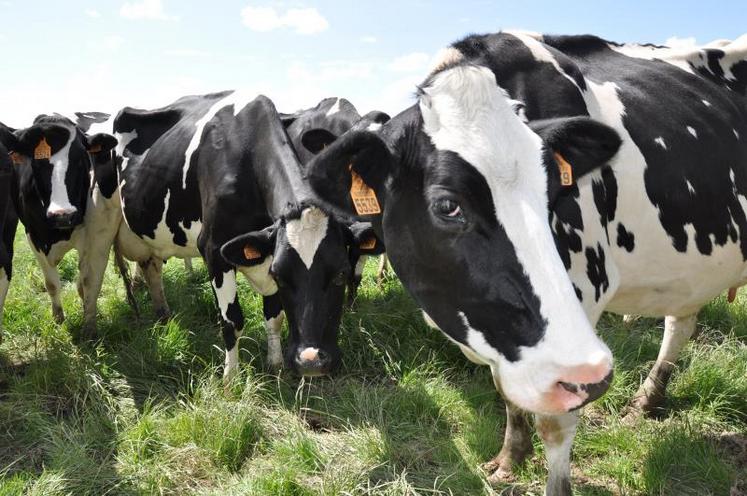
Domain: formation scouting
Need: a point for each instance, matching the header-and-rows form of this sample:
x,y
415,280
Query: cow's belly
x,y
163,245
658,280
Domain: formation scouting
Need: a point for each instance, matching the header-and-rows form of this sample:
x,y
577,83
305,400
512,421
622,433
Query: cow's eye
x,y
340,278
448,209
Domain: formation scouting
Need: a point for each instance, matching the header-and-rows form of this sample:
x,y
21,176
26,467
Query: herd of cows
x,y
536,182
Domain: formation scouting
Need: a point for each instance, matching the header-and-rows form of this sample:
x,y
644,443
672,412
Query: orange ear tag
x,y
94,149
368,244
566,171
16,158
251,253
364,198
43,150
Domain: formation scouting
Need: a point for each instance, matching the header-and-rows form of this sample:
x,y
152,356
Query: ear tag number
x,y
251,253
368,244
364,198
566,171
43,151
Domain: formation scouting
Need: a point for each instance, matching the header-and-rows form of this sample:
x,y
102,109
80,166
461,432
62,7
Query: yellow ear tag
x,y
16,158
43,150
94,149
251,253
364,198
566,171
368,244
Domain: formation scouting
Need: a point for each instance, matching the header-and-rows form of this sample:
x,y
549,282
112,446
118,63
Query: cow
x,y
8,219
63,193
540,180
216,176
310,131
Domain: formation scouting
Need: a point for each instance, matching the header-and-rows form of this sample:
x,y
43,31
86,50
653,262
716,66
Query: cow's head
x,y
464,185
304,256
56,161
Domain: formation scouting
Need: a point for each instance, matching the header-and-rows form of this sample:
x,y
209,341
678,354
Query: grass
x,y
143,411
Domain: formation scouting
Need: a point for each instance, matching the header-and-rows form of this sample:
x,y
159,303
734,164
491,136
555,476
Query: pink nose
x,y
60,211
309,354
580,385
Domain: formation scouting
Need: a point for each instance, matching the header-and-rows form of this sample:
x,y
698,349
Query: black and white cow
x,y
63,198
312,130
8,219
510,124
215,175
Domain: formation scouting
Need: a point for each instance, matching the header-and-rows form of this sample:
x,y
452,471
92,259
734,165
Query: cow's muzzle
x,y
312,362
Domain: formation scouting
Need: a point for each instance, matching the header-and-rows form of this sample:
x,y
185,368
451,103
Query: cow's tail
x,y
124,271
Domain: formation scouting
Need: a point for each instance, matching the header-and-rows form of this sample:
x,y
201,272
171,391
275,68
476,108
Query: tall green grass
x,y
144,410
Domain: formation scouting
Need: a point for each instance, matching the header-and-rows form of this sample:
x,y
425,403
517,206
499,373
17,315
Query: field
x,y
143,411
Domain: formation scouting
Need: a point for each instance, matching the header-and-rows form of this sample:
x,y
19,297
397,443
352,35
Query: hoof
x,y
652,406
59,315
274,367
89,332
500,470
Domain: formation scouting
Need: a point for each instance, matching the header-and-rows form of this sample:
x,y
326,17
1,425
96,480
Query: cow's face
x,y
465,186
304,257
58,161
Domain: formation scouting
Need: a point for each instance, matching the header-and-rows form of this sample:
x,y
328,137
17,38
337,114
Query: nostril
x,y
588,392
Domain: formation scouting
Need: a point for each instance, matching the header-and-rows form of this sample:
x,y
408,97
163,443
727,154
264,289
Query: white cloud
x,y
302,21
677,42
369,39
187,52
92,13
412,62
145,9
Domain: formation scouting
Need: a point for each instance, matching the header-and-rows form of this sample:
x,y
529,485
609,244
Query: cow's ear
x,y
101,143
250,249
7,138
363,239
579,142
316,140
350,173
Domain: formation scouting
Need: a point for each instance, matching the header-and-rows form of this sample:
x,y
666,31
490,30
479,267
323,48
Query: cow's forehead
x,y
306,233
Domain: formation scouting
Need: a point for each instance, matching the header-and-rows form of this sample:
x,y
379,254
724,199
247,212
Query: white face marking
x,y
660,141
466,112
373,127
690,187
306,233
736,133
706,103
692,131
237,99
477,343
334,109
59,203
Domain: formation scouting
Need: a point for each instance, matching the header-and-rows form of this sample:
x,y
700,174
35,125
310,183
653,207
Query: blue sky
x,y
103,55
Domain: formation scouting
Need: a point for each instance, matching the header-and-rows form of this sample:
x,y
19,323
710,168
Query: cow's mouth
x,y
587,392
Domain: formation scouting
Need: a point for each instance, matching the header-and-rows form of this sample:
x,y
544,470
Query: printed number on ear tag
x,y
43,150
251,253
368,244
364,198
566,171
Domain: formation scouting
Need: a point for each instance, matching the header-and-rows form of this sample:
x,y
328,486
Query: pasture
x,y
143,411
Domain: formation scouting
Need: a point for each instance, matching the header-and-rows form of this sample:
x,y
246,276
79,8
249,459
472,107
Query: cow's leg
x,y
223,279
4,285
138,278
188,265
51,282
152,270
677,331
355,279
557,433
517,446
383,263
274,316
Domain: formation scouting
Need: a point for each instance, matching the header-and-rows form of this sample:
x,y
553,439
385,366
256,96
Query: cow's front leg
x,y
557,433
517,446
274,316
152,270
652,393
355,279
51,282
232,324
4,285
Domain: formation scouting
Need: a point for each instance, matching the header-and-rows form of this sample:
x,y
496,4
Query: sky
x,y
86,55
